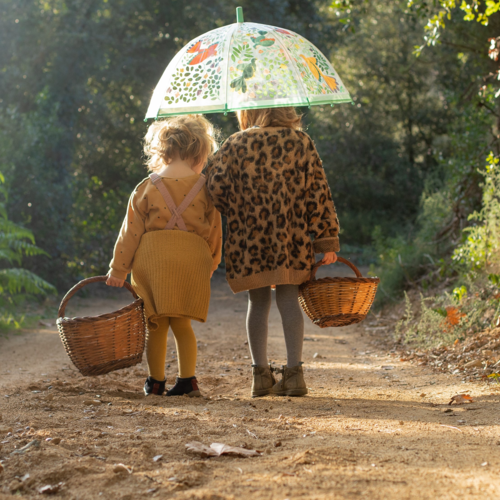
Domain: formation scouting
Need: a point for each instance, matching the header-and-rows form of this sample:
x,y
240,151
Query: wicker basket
x,y
102,344
337,301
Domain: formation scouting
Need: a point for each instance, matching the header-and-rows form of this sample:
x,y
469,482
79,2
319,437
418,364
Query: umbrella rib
x,y
228,65
293,66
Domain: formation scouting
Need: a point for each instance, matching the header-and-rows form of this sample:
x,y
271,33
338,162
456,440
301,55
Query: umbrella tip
x,y
239,14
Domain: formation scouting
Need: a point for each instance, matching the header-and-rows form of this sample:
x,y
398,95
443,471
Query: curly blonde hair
x,y
269,117
188,136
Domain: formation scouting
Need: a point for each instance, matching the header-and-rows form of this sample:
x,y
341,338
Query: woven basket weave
x,y
102,344
337,301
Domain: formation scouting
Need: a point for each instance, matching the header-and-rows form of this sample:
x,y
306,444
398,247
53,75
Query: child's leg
x,y
259,305
185,342
156,350
287,299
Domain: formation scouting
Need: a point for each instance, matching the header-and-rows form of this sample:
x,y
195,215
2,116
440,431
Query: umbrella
x,y
246,66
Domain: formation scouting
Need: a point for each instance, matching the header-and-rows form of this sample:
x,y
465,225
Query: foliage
x,y
16,283
442,10
449,316
482,239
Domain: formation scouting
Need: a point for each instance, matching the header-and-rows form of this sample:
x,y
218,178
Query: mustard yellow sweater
x,y
147,211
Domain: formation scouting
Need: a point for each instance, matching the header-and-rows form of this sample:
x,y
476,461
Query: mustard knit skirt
x,y
171,273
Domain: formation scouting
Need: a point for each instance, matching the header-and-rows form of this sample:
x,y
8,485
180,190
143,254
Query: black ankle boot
x,y
183,386
152,386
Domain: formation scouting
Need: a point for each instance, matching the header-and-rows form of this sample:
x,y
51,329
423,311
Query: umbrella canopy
x,y
245,66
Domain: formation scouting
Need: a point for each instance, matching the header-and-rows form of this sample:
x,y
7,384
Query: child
x,y
269,181
171,240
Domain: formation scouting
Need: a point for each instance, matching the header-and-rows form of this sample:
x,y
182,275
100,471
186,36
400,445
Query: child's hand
x,y
112,281
329,258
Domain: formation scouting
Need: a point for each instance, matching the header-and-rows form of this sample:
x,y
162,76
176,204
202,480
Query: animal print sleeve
x,y
219,183
322,217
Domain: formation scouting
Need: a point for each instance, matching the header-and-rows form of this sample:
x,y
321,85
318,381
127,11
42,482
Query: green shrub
x,y
480,247
16,283
443,318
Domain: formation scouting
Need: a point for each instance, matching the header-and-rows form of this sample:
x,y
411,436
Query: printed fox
x,y
202,54
318,74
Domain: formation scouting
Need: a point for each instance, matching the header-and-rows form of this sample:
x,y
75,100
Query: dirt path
x,y
371,427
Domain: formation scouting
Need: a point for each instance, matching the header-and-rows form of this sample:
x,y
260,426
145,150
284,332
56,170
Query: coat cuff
x,y
326,245
118,274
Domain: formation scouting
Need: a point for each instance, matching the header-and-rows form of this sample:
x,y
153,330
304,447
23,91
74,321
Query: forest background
x,y
412,164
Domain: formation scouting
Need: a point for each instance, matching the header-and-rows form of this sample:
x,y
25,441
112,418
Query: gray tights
x,y
259,305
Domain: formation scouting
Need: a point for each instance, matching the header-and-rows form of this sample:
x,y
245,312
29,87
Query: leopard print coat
x,y
270,184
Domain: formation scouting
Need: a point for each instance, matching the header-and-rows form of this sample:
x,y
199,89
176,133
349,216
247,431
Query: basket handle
x,y
339,259
85,282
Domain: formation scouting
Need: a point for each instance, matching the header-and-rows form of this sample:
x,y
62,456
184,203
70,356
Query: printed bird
x,y
248,72
318,74
202,54
262,40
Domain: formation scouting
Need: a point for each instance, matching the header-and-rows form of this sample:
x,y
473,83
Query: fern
x,y
17,242
15,281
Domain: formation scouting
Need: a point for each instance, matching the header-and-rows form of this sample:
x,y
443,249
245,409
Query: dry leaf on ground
x,y
460,399
218,449
201,449
50,489
224,449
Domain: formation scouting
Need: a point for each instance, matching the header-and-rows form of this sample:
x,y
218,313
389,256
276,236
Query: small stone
x,y
268,451
277,444
56,440
88,402
401,422
120,468
423,395
317,355
1,468
158,457
15,485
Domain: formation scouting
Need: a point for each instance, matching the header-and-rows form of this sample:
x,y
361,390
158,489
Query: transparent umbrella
x,y
245,66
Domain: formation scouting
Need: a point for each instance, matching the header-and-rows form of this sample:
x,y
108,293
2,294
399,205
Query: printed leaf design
x,y
262,40
248,71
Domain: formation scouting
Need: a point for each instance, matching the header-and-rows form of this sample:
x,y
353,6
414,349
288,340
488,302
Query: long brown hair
x,y
269,117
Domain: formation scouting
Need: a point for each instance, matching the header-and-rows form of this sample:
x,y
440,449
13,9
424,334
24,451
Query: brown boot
x,y
263,380
292,382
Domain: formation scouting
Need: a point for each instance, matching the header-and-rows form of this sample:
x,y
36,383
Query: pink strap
x,y
174,210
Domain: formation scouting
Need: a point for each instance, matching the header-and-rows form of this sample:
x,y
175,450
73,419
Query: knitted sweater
x,y
147,212
270,184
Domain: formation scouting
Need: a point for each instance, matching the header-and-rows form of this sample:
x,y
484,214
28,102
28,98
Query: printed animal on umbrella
x,y
262,40
201,54
248,71
318,74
